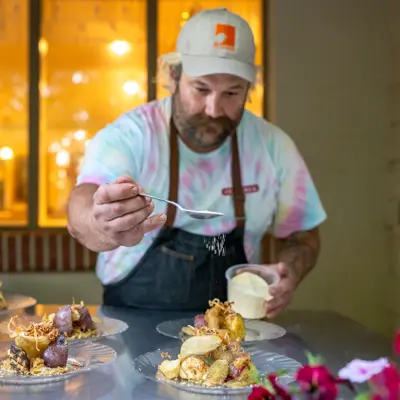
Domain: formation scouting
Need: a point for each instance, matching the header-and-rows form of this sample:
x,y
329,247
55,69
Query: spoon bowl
x,y
192,213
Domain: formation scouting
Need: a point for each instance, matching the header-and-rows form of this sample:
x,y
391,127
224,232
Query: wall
x,y
331,64
394,91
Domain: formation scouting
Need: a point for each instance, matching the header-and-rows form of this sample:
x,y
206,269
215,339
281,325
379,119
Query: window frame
x,y
34,35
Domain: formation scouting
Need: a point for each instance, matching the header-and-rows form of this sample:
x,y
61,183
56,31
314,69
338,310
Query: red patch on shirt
x,y
247,189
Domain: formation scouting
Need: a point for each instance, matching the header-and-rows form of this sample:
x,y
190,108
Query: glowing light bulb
x,y
6,153
120,47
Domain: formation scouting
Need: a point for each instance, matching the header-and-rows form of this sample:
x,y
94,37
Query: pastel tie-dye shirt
x,y
285,199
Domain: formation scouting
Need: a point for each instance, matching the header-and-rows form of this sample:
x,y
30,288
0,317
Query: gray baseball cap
x,y
217,41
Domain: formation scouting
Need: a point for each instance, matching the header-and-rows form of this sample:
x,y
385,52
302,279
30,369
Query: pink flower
x,y
260,393
386,384
359,371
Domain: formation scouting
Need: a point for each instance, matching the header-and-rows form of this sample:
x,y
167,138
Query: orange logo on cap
x,y
225,36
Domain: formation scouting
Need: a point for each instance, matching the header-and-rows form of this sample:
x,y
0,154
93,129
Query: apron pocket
x,y
177,254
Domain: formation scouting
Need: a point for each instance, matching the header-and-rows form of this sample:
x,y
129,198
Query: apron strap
x,y
238,193
173,173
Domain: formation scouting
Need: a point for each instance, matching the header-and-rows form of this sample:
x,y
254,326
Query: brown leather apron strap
x,y
173,173
238,193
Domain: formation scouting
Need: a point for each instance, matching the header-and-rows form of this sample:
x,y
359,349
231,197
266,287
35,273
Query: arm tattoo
x,y
300,251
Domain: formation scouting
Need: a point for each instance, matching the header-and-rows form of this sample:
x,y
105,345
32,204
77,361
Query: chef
x,y
201,148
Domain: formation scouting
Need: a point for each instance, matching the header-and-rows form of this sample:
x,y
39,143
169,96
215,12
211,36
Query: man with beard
x,y
198,147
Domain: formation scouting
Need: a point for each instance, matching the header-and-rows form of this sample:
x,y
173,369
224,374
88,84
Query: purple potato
x,y
199,321
85,320
63,320
56,355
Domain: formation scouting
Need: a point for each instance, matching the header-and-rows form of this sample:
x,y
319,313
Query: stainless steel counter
x,y
336,338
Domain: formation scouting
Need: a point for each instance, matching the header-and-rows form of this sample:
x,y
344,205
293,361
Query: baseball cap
x,y
217,41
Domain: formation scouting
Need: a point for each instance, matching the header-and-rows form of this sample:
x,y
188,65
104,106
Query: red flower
x,y
280,392
318,381
397,343
260,393
386,385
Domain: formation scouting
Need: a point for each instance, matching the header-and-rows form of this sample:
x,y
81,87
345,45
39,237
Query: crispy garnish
x,y
165,355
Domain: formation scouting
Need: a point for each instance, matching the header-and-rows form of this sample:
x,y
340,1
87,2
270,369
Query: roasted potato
x,y
63,320
170,368
56,355
217,373
33,347
222,354
235,325
193,368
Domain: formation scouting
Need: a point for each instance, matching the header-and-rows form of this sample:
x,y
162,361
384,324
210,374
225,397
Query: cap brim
x,y
195,66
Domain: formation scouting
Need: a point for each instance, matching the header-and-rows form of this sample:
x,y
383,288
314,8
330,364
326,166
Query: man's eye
x,y
231,93
202,90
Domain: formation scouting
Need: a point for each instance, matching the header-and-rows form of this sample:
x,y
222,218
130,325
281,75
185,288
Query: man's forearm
x,y
81,224
300,251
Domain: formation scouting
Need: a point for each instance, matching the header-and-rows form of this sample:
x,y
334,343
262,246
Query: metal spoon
x,y
192,213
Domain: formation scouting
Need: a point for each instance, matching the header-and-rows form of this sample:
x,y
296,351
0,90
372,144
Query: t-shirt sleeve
x,y
299,207
114,151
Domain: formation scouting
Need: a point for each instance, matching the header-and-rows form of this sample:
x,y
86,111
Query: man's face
x,y
207,109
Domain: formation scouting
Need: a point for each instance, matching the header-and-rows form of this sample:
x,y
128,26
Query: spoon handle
x,y
158,198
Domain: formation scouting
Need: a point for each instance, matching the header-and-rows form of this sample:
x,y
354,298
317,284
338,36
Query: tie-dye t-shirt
x,y
280,194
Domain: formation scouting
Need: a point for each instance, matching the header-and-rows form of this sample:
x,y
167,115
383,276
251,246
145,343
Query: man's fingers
x,y
129,221
125,179
117,209
135,235
154,222
115,192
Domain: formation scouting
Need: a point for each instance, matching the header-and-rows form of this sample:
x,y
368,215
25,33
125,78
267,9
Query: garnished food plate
x,y
73,320
10,302
82,357
206,367
220,318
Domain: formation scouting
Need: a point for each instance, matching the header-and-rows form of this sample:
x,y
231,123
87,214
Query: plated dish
x,y
12,302
74,321
221,317
222,371
3,301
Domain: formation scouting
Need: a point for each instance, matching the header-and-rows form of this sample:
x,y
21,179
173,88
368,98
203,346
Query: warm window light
x,y
78,78
66,141
185,15
131,88
43,47
120,47
54,147
62,158
80,135
6,153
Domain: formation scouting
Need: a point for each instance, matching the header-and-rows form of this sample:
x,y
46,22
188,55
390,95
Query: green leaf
x,y
281,372
363,396
314,360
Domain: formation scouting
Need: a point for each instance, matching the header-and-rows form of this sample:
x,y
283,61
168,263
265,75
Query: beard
x,y
199,130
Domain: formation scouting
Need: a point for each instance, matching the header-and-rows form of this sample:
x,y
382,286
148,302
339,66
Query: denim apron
x,y
178,271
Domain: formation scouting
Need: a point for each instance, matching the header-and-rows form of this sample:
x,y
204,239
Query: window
x,y
172,14
93,68
13,112
96,60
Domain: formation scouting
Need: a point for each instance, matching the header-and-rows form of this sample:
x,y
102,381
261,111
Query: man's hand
x,y
121,215
282,291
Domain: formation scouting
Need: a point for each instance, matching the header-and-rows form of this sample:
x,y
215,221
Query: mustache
x,y
203,120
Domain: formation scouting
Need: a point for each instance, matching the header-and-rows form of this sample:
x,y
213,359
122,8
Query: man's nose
x,y
213,106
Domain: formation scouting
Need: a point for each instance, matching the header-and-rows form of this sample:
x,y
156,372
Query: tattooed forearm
x,y
300,251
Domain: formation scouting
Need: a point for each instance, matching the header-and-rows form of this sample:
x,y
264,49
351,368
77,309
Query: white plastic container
x,y
249,298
